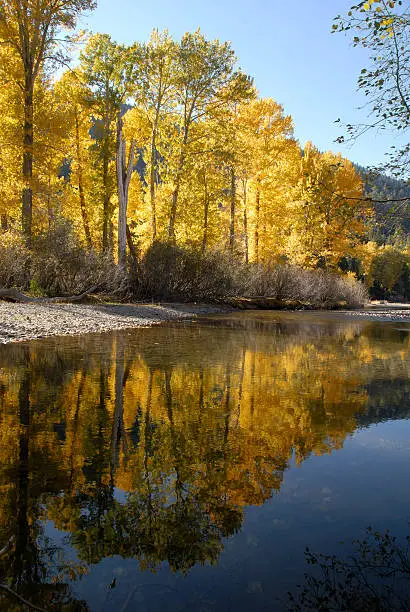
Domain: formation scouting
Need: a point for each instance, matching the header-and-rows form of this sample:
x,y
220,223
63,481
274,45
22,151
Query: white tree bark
x,y
124,174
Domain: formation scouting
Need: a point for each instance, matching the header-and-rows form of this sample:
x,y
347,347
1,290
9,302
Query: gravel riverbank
x,y
380,312
20,322
29,321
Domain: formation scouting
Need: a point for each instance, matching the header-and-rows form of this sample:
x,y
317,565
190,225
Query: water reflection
x,y
150,445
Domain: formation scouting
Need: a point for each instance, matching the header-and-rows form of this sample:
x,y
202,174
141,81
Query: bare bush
x,y
316,287
61,265
353,291
277,281
172,273
14,260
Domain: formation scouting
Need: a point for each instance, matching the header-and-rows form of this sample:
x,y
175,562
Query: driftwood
x,y
265,303
269,303
13,295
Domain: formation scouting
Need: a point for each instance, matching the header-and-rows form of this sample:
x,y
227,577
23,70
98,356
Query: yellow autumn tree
x,y
329,210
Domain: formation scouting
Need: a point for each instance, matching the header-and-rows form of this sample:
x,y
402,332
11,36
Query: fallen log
x,y
13,295
270,303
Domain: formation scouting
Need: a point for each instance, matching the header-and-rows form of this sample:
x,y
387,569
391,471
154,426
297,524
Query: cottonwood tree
x,y
154,93
34,31
10,137
329,210
72,94
101,65
268,133
230,151
109,73
206,78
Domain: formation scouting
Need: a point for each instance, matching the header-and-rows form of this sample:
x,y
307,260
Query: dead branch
x,y
13,295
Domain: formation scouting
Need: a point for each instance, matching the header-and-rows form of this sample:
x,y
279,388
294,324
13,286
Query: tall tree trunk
x,y
80,181
134,263
175,194
28,140
131,246
233,207
245,221
174,205
4,222
206,217
257,215
152,180
124,174
106,242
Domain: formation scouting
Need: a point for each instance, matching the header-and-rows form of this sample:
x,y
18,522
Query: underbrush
x,y
58,265
167,272
316,287
14,260
171,273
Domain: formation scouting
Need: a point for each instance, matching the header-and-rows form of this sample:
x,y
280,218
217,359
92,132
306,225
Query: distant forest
x,y
392,217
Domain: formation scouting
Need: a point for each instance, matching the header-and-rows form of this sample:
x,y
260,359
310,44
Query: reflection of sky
x,y
384,437
327,500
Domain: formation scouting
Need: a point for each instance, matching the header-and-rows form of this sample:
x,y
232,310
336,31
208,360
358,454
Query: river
x,y
188,466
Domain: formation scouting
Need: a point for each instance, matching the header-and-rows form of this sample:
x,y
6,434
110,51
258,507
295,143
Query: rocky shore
x,y
20,322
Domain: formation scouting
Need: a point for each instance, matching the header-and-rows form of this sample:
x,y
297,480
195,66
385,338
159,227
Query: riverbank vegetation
x,y
156,171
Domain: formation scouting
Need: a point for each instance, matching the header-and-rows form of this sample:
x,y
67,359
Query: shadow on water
x,y
150,445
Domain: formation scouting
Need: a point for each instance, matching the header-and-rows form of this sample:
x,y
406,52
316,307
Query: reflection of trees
x,y
32,565
375,578
191,424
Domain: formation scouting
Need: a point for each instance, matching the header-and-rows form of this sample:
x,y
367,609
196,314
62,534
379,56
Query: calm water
x,y
187,467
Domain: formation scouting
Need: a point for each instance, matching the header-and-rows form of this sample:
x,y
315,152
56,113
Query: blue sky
x,y
285,46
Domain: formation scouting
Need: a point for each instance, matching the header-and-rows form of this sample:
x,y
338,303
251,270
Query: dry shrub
x,y
175,273
168,272
14,260
354,291
316,287
278,281
61,265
